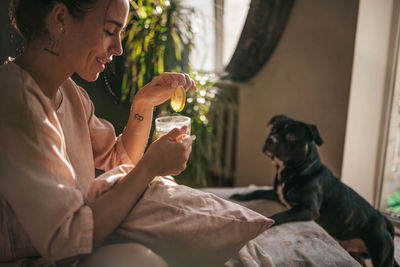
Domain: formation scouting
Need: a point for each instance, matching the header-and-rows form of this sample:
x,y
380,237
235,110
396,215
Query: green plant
x,y
159,38
208,107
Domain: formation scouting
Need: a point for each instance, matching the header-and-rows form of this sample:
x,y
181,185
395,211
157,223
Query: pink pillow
x,y
189,227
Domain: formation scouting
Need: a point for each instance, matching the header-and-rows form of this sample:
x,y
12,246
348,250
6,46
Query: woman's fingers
x,y
172,80
169,155
188,82
161,87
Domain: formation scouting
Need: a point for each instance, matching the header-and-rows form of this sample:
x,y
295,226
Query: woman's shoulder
x,y
11,88
20,96
10,75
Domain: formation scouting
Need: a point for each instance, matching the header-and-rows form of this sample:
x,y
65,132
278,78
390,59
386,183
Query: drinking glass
x,y
166,123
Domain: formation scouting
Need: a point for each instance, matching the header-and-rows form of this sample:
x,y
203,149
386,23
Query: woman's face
x,y
92,41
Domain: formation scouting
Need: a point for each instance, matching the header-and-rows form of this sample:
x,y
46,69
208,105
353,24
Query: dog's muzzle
x,y
269,154
271,140
270,143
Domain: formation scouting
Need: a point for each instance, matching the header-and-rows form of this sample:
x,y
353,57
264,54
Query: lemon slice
x,y
178,98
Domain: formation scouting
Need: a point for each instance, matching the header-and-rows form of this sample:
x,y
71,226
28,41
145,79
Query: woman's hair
x,y
28,16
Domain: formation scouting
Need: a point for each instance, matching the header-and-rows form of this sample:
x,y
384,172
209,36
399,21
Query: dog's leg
x,y
380,248
306,208
258,194
296,214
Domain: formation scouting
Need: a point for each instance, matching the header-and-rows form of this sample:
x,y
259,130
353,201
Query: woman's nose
x,y
116,47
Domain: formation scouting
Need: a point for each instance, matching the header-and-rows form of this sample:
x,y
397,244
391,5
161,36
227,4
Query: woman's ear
x,y
58,18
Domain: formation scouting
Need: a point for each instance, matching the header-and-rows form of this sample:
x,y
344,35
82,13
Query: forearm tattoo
x,y
138,117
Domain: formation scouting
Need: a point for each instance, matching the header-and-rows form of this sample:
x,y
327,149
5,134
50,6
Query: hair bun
x,y
28,16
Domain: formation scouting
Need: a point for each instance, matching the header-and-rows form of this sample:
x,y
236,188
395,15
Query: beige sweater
x,y
47,163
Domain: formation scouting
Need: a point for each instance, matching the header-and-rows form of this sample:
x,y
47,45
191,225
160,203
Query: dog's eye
x,y
290,137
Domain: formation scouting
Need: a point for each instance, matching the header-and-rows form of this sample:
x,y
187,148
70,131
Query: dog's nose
x,y
272,140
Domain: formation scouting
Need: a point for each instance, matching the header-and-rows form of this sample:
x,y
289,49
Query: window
x,y
389,184
217,27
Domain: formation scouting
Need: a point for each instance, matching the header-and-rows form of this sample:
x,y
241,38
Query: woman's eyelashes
x,y
109,33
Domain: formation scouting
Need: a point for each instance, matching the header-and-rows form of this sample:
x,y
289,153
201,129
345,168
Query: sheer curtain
x,y
265,23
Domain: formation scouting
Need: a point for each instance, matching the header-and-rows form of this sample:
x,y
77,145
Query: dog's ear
x,y
277,118
316,137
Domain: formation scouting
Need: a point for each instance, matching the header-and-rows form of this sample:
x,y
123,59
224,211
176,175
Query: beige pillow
x,y
189,227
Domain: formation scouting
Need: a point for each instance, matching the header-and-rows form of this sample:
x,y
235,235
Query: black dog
x,y
312,192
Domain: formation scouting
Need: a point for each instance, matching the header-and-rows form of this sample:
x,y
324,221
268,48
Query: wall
x,y
308,77
368,105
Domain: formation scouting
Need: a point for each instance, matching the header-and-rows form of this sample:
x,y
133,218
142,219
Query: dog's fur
x,y
312,192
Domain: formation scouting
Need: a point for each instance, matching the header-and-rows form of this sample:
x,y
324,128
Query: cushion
x,y
189,227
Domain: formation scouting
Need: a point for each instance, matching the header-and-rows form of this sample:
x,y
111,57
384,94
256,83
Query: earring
x,y
61,29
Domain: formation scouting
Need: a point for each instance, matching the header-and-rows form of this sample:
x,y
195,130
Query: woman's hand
x,y
137,130
166,155
161,87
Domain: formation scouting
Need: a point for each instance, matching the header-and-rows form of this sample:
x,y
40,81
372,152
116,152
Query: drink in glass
x,y
166,123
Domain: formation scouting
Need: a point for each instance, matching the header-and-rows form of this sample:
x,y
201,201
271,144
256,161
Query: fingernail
x,y
179,138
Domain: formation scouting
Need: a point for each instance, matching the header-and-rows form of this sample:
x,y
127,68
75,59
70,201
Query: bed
x,y
290,244
192,227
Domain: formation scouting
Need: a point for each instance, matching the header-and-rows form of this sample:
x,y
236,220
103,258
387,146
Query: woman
x,y
52,141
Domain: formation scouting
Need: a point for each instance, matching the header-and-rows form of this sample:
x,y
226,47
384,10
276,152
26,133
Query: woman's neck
x,y
46,69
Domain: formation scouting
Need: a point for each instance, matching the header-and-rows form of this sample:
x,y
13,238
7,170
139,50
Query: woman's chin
x,y
90,77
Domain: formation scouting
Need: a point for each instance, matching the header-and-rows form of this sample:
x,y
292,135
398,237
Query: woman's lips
x,y
101,63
